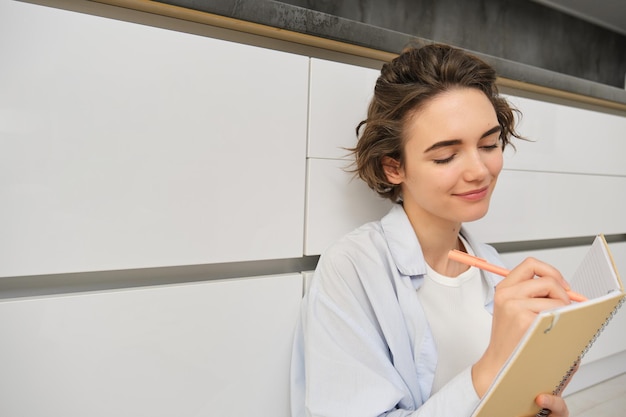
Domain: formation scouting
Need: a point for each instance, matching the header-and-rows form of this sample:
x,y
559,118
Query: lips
x,y
476,194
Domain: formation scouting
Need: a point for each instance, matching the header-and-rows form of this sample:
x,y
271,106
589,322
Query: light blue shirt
x,y
363,346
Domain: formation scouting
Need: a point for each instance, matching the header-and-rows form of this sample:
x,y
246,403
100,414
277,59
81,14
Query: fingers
x,y
556,405
532,267
531,306
536,279
542,293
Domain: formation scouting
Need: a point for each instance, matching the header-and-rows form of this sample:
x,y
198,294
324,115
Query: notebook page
x,y
595,276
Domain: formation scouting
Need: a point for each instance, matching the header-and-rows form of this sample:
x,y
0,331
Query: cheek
x,y
435,178
495,163
446,180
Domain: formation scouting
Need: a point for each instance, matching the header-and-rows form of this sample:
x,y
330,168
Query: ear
x,y
393,170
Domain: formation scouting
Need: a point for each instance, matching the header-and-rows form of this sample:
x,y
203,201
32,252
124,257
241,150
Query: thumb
x,y
545,401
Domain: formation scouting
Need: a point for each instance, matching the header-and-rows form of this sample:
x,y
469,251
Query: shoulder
x,y
353,260
370,241
362,243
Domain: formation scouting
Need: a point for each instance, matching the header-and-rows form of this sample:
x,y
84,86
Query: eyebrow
x,y
452,142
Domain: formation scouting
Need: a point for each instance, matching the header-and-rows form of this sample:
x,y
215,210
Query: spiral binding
x,y
544,412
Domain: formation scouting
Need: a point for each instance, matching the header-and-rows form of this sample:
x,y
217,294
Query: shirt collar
x,y
406,250
403,244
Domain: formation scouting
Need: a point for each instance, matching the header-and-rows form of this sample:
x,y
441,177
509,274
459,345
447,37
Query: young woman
x,y
390,326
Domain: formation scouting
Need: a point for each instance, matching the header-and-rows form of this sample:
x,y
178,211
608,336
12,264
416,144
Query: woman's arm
x,y
531,287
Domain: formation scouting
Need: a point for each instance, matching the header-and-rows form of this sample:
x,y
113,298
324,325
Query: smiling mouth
x,y
474,194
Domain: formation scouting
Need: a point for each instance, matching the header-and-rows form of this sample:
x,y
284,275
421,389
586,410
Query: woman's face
x,y
452,158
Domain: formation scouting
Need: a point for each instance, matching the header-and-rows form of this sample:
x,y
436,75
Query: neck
x,y
437,237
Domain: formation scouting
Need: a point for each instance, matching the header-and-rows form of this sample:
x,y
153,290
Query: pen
x,y
467,259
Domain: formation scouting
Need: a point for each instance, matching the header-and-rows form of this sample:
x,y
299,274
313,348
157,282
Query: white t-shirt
x,y
455,309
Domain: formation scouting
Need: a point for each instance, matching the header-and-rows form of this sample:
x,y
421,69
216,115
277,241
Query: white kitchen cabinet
x,y
217,348
129,146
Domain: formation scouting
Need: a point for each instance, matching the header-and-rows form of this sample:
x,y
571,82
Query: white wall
x,y
127,146
217,348
124,146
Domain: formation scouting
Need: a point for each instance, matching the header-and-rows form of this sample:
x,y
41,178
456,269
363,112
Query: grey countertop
x,y
311,22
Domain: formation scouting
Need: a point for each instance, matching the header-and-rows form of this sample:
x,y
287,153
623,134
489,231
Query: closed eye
x,y
444,160
489,147
455,142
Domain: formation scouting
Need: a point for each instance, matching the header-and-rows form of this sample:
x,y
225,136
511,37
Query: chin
x,y
473,214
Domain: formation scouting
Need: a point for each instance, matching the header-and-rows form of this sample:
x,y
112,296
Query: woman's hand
x,y
554,403
531,287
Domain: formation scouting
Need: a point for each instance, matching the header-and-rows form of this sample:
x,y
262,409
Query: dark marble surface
x,y
523,40
522,31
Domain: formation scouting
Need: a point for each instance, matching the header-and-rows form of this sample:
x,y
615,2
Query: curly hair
x,y
406,84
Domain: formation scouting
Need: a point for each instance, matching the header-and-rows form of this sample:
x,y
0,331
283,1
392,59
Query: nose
x,y
475,167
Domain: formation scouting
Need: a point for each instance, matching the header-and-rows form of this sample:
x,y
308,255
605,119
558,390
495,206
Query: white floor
x,y
607,399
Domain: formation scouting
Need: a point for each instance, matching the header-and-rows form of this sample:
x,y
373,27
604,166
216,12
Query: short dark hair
x,y
405,84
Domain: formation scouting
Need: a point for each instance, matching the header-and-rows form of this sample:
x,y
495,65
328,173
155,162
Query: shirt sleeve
x,y
457,398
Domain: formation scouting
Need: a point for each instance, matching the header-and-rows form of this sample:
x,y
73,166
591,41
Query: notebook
x,y
548,354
